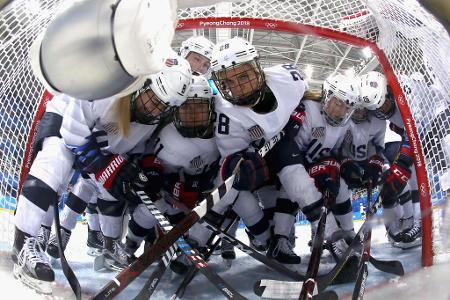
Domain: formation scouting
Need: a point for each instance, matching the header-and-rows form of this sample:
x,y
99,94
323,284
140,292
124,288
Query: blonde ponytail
x,y
315,95
123,115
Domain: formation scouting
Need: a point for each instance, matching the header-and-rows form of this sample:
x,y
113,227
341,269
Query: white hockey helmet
x,y
194,118
375,95
230,60
373,89
340,98
92,51
198,44
232,52
162,91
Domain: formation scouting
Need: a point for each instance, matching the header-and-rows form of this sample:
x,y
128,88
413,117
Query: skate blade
x,y
93,251
227,263
99,262
39,286
406,246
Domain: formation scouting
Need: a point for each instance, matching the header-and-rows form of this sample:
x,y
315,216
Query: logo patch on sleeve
x,y
256,132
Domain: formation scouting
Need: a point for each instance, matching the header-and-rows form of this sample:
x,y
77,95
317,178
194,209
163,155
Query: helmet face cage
x,y
335,110
386,110
194,117
147,108
241,84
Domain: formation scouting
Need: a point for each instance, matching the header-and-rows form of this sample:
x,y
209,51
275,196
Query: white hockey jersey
x,y
237,127
364,140
58,104
84,117
192,155
316,137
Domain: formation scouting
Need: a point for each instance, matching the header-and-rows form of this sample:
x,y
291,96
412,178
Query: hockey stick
x,y
124,278
274,265
327,279
192,254
193,271
313,266
67,270
152,282
363,270
274,289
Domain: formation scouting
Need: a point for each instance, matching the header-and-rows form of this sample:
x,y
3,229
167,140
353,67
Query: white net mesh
x,y
415,44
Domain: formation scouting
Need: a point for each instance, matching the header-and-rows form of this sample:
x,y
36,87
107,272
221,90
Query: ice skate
x,y
281,250
43,237
52,248
227,252
255,243
94,242
31,265
412,237
394,234
114,256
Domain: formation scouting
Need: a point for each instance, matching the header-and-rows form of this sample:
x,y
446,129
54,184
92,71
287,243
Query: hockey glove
x,y
373,169
326,175
252,173
153,170
121,178
394,181
180,193
352,173
295,121
89,157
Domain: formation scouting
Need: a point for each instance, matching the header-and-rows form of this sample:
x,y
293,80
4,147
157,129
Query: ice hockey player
x,y
321,127
361,152
187,149
128,123
49,172
380,101
250,112
197,51
31,267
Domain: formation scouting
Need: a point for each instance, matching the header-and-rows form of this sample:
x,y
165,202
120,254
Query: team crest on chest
x,y
197,162
256,132
318,132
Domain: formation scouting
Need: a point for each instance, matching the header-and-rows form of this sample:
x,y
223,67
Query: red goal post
x,y
303,29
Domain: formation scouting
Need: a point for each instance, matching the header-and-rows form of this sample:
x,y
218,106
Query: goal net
x,y
410,46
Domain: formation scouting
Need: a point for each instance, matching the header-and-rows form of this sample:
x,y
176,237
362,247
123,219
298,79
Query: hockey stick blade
x,y
274,265
272,289
389,266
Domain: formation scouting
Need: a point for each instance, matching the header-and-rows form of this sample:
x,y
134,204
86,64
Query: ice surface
x,y
242,275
